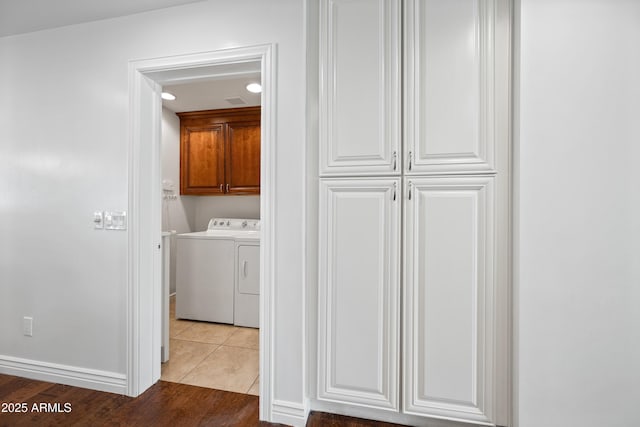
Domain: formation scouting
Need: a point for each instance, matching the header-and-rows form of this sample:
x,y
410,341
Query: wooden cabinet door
x,y
450,299
360,87
220,151
359,291
243,157
202,159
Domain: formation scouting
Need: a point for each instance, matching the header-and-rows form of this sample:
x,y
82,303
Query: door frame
x,y
143,294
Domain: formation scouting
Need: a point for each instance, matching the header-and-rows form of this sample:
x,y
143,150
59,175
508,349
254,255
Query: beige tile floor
x,y
212,355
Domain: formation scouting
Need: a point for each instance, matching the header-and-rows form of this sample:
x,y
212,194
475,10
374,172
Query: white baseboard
x,y
62,374
289,413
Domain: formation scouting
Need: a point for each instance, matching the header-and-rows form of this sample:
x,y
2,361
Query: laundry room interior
x,y
210,227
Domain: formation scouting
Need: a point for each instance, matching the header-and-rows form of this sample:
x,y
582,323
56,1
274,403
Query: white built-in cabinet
x,y
413,314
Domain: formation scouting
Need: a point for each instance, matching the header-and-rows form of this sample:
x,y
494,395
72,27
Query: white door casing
x,y
144,288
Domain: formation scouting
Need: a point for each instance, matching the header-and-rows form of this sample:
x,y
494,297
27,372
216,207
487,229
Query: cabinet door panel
x,y
359,288
449,326
360,86
243,157
449,86
202,160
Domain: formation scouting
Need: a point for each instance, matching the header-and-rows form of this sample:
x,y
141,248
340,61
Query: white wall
x,y
208,207
579,213
64,115
177,214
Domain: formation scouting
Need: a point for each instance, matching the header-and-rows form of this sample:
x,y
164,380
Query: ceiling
x,y
23,16
212,94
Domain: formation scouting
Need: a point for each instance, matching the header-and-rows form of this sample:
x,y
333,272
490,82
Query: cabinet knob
x,y
221,188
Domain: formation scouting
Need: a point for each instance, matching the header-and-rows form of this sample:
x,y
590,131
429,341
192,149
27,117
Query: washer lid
x,y
210,234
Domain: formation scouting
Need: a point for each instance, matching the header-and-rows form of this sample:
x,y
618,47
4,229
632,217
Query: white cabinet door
x,y
359,291
449,86
360,87
449,331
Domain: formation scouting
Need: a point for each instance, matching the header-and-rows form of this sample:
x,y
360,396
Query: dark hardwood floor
x,y
164,404
321,419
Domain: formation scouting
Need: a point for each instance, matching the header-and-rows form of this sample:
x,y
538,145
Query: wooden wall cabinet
x,y
220,152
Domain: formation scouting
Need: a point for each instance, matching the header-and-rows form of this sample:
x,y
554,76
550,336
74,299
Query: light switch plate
x,y
98,220
115,220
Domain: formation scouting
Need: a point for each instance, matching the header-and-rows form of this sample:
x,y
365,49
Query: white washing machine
x,y
208,269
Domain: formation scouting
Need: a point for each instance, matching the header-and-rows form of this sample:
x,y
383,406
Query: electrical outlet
x,y
27,326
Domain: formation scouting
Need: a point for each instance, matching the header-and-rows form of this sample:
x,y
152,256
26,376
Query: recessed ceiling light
x,y
254,87
168,96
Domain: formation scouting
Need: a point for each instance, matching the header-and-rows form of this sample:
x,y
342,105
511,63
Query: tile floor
x,y
224,357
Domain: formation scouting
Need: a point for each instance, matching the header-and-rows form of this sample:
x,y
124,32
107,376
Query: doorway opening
x,y
144,298
210,157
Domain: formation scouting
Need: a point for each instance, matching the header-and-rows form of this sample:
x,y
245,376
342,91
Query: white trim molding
x,y
143,293
93,379
290,413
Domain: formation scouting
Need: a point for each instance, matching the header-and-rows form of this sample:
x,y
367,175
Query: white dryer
x,y
246,303
207,270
